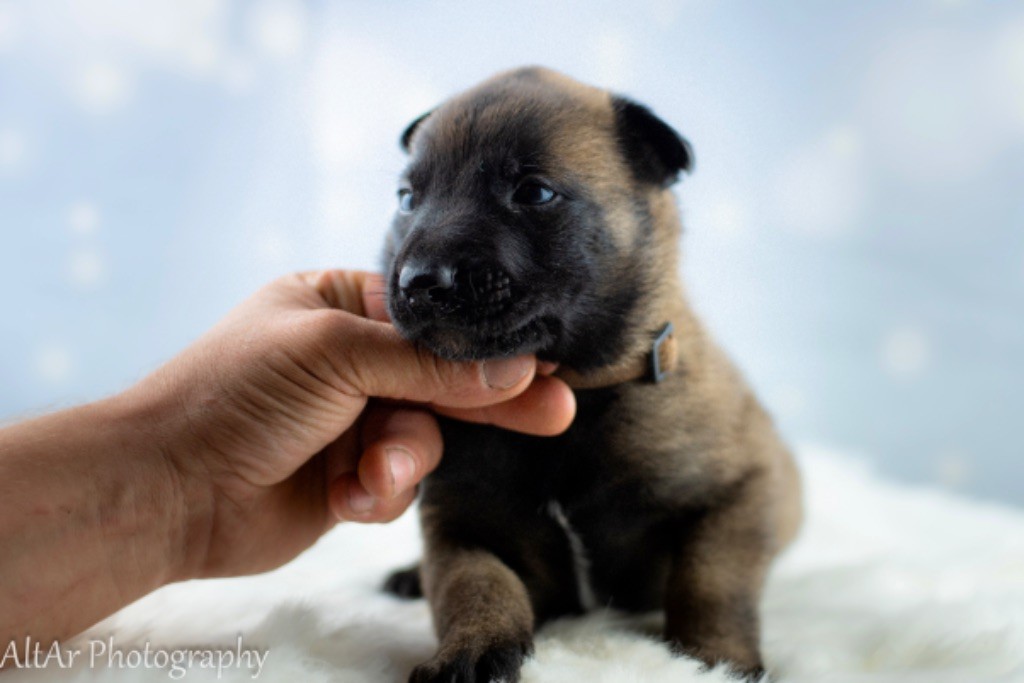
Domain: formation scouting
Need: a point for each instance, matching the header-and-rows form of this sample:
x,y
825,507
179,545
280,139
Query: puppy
x,y
535,217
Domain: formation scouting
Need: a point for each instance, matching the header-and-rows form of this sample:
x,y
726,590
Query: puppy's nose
x,y
435,280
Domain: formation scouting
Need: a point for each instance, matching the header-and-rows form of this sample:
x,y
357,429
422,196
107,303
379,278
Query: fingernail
x,y
507,372
359,501
402,466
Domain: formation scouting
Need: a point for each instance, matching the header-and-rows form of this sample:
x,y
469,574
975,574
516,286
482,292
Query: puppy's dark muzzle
x,y
470,292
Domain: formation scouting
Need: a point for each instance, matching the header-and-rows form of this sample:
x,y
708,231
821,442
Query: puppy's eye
x,y
406,201
533,193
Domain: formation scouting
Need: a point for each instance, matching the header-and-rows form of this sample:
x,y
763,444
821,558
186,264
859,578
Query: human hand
x,y
281,429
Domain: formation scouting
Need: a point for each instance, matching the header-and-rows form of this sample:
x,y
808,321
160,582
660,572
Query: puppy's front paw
x,y
497,662
741,665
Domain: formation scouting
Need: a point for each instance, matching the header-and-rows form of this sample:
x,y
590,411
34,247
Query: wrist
x,y
158,423
95,514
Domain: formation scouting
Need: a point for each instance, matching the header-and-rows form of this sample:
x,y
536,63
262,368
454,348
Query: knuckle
x,y
318,339
327,326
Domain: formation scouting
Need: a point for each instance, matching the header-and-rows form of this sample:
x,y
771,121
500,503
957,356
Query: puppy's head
x,y
525,223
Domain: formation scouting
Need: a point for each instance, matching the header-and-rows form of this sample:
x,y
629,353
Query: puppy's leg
x,y
714,586
482,614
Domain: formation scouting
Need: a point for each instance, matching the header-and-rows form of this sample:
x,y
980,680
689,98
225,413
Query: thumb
x,y
372,359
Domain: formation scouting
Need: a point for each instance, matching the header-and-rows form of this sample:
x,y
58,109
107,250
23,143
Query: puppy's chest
x,y
610,461
617,521
587,486
606,465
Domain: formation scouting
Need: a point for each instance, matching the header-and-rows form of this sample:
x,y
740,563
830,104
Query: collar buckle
x,y
658,373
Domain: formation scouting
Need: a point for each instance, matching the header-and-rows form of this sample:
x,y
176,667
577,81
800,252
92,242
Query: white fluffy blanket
x,y
887,583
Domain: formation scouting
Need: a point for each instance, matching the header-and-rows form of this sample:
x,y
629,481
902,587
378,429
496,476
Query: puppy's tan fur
x,y
684,485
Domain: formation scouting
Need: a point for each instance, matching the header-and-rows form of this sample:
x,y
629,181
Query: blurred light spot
x,y
613,58
185,36
788,402
86,268
728,217
664,13
13,149
201,54
953,469
9,26
1008,53
377,100
278,27
340,225
83,218
929,107
272,248
355,118
906,352
340,211
338,208
821,189
237,75
53,363
844,143
102,88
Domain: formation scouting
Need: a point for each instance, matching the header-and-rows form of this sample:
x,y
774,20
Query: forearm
x,y
91,517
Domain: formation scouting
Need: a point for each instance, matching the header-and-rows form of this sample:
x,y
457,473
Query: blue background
x,y
855,224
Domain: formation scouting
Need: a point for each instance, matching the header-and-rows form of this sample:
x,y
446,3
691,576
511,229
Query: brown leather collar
x,y
653,366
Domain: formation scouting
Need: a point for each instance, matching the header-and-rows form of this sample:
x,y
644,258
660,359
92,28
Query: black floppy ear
x,y
410,129
656,152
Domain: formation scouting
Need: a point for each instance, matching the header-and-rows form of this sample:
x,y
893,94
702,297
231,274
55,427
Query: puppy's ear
x,y
656,152
407,134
